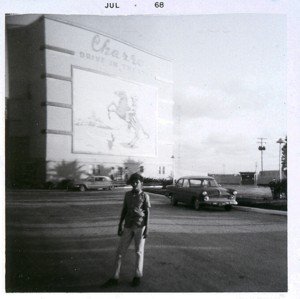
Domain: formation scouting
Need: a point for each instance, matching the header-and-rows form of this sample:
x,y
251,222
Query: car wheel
x,y
82,188
228,207
197,204
111,187
173,200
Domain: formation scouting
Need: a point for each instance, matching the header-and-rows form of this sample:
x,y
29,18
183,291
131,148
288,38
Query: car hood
x,y
221,190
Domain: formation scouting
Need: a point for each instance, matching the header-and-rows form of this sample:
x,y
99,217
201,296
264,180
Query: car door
x,y
90,183
182,190
108,182
185,191
105,183
99,182
178,190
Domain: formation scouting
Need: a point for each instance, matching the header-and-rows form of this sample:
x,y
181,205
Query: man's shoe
x,y
110,283
136,281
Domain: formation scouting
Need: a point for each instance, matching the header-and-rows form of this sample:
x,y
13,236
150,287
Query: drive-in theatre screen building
x,y
81,102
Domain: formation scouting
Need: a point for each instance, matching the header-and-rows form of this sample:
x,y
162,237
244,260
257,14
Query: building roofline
x,y
196,177
70,23
247,172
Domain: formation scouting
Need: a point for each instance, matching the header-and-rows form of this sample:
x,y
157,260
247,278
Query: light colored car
x,y
201,191
94,182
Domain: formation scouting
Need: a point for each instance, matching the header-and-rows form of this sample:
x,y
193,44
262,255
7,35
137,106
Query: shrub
x,y
158,182
279,189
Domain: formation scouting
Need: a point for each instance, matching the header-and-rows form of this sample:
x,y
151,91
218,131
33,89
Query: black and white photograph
x,y
149,152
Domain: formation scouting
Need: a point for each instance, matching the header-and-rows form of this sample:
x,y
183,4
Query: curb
x,y
263,211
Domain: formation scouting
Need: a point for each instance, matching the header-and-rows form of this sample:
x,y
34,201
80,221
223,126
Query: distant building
x,y
248,178
231,179
80,102
266,176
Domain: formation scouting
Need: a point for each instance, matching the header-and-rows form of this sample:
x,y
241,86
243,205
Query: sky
x,y
229,76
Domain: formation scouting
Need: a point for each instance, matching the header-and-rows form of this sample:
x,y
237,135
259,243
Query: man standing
x,y
136,214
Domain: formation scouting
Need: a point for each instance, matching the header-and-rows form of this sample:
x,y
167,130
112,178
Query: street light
x,y
173,164
262,148
280,141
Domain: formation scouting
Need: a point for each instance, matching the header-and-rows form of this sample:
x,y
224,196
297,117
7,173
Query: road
x,y
59,241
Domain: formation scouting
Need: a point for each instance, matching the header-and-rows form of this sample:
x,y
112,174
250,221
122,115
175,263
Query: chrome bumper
x,y
220,202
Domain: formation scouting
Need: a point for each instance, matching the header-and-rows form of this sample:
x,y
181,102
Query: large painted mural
x,y
113,116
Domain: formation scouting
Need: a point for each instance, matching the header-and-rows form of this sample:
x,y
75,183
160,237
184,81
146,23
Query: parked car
x,y
94,182
201,191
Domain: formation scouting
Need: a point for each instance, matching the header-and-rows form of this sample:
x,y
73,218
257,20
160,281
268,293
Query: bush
x,y
64,184
158,182
61,185
279,189
49,185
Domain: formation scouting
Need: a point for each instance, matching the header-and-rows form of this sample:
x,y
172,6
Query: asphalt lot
x,y
59,241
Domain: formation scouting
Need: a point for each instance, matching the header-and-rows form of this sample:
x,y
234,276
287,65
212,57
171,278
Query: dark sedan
x,y
201,191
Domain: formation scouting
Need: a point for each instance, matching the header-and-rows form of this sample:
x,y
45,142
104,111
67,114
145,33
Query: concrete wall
x,y
25,144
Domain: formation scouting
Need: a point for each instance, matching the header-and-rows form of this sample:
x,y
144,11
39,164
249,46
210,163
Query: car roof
x,y
196,177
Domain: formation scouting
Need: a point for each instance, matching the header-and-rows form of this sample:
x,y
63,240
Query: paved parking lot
x,y
60,241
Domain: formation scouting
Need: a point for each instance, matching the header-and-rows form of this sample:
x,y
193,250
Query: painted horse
x,y
127,113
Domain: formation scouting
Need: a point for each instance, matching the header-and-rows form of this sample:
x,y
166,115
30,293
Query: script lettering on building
x,y
103,46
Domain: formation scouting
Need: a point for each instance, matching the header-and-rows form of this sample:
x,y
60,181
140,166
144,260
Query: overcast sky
x,y
229,83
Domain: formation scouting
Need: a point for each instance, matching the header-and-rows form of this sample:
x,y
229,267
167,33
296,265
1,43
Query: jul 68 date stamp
x,y
112,5
116,5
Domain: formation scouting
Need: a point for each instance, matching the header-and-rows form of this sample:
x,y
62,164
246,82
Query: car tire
x,y
111,188
196,204
82,188
173,200
228,208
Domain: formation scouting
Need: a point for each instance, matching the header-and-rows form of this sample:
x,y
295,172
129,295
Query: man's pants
x,y
139,242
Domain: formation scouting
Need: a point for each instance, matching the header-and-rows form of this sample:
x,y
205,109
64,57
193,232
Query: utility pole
x,y
261,148
173,166
255,173
280,141
177,162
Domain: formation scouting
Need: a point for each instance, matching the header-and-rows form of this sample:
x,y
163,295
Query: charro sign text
x,y
103,46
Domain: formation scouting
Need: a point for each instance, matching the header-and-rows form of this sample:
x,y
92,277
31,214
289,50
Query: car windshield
x,y
213,183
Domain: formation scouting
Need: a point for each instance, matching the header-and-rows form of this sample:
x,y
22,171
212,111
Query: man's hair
x,y
134,177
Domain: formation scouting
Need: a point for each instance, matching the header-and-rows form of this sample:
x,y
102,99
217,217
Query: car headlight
x,y
204,193
234,192
206,198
